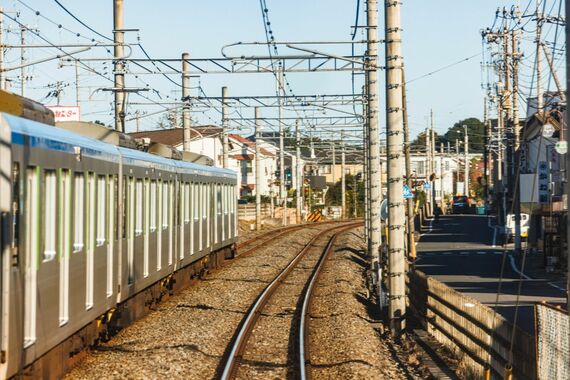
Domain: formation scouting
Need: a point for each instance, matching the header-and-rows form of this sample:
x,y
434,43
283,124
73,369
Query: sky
x,y
436,33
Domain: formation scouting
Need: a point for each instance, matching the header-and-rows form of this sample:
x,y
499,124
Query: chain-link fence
x,y
552,346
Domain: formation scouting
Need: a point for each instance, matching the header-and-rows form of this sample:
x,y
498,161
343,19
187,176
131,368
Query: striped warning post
x,y
315,216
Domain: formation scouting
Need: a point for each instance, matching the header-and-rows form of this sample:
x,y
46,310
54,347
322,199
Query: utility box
x,y
318,182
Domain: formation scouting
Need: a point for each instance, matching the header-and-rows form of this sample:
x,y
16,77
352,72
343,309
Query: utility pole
x,y
225,148
333,163
257,172
516,146
298,171
77,98
2,74
23,61
186,99
539,90
433,160
282,194
395,142
486,148
458,163
466,153
374,143
567,165
342,176
428,168
137,120
119,65
409,201
355,196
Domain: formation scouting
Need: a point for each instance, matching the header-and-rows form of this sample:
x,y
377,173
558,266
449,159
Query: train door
x,y
9,196
146,227
32,253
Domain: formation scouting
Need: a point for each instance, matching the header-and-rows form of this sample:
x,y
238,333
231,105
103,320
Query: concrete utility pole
x,y
429,199
226,148
553,72
257,172
282,194
433,159
410,201
396,211
23,61
516,143
333,163
355,196
486,148
342,176
119,65
374,141
458,161
466,153
567,4
298,171
539,90
2,74
186,99
77,98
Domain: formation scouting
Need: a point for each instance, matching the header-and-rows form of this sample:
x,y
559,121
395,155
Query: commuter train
x,y
93,232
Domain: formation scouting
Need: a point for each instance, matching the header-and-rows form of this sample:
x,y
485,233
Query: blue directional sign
x,y
427,186
407,192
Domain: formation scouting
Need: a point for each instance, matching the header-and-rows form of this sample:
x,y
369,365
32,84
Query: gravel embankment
x,y
343,341
186,337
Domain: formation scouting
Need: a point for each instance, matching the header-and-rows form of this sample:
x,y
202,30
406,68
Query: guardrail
x,y
464,325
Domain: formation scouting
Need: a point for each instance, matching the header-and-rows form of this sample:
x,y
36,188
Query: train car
x,y
88,226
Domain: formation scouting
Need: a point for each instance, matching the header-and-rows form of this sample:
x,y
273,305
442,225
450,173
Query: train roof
x,y
50,138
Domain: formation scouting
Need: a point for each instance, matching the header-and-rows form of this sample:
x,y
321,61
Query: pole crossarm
x,y
249,65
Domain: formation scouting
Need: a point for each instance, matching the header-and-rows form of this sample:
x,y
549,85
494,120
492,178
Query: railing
x,y
466,326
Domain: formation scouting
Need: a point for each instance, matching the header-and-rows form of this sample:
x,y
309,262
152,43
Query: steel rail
x,y
240,342
303,340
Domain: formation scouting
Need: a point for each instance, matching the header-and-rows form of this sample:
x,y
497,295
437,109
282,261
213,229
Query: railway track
x,y
265,238
277,317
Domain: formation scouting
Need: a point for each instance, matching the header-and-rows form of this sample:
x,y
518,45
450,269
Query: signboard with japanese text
x,y
65,113
543,184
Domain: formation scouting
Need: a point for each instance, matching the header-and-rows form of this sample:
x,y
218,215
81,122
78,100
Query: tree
x,y
475,130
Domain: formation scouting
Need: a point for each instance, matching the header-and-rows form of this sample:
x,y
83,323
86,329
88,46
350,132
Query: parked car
x,y
460,204
243,201
510,227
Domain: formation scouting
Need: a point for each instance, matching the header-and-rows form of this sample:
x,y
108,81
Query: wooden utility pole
x,y
410,201
395,142
119,67
257,171
375,180
186,98
225,142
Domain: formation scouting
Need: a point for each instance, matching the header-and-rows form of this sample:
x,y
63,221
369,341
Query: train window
x,y
30,274
101,210
112,185
187,203
139,208
165,205
78,207
218,199
196,201
90,259
153,205
64,236
204,200
50,215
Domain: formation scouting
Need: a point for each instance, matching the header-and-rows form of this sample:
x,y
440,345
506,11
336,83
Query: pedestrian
x,y
437,213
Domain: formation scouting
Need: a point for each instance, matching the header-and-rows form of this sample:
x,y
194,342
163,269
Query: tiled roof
x,y
243,157
175,136
250,144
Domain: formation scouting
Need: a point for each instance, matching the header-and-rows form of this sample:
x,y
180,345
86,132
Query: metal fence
x,y
552,347
467,327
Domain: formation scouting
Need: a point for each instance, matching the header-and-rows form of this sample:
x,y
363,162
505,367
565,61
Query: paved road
x,y
458,251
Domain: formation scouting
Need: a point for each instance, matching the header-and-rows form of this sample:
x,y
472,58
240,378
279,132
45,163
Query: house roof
x,y
251,144
243,157
175,136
